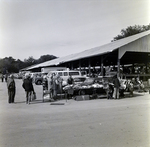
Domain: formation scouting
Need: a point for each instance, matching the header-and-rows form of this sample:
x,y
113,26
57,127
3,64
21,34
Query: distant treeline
x,y
11,65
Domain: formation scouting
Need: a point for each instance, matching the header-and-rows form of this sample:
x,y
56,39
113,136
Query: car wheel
x,y
82,92
39,82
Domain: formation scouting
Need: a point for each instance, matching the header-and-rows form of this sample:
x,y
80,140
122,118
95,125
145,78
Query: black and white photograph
x,y
74,73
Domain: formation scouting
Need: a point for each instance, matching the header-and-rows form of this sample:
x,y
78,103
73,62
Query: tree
x,y
11,65
8,64
30,61
131,30
44,58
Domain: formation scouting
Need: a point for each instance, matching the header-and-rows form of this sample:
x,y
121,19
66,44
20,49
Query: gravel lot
x,y
92,123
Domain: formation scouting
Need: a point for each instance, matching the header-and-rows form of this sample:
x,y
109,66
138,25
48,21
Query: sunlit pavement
x,y
92,123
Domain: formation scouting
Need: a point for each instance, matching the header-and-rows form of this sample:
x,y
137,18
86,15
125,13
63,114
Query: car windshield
x,y
79,79
73,73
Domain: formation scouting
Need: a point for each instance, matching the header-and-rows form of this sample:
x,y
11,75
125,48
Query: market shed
x,y
130,50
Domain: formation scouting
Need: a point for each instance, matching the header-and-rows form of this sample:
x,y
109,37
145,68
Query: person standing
x,y
45,86
11,89
2,77
28,87
110,90
45,83
70,80
6,77
50,86
59,83
116,87
54,86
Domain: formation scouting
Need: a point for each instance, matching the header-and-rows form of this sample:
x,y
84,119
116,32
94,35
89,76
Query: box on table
x,y
82,97
70,91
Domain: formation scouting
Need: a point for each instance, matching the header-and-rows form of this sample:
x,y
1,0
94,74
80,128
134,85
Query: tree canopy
x,y
11,65
131,30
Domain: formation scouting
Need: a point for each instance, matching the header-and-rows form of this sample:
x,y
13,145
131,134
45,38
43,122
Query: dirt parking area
x,y
91,123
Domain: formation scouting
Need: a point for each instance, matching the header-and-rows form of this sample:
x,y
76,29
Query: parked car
x,y
65,74
36,77
38,80
79,80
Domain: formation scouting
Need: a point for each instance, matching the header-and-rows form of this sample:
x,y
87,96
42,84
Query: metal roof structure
x,y
97,51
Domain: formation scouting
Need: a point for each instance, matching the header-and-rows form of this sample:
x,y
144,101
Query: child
x,y
110,90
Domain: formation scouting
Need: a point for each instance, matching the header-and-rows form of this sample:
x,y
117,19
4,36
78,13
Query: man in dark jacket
x,y
116,83
28,87
70,80
11,89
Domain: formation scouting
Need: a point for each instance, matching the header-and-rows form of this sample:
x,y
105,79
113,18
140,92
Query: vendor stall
x,y
89,87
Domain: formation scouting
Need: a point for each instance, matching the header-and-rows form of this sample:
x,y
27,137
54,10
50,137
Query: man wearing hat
x,y
11,89
28,87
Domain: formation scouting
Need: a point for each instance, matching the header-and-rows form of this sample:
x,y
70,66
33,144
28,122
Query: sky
x,y
63,27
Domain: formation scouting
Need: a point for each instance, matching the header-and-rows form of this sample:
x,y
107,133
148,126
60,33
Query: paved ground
x,y
94,123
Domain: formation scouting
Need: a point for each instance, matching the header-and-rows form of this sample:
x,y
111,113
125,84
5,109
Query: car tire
x,y
82,92
39,82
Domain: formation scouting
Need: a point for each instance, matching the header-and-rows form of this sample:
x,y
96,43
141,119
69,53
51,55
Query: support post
x,y
118,67
89,67
80,65
72,66
102,66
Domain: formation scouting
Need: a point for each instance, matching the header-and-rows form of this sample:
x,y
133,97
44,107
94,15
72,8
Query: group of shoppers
x,y
4,77
54,86
27,85
116,88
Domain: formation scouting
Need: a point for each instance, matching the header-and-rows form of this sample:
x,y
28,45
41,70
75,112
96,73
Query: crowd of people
x,y
27,85
53,86
117,87
4,77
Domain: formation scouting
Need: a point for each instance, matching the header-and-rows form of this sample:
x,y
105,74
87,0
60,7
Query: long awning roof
x,y
104,49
